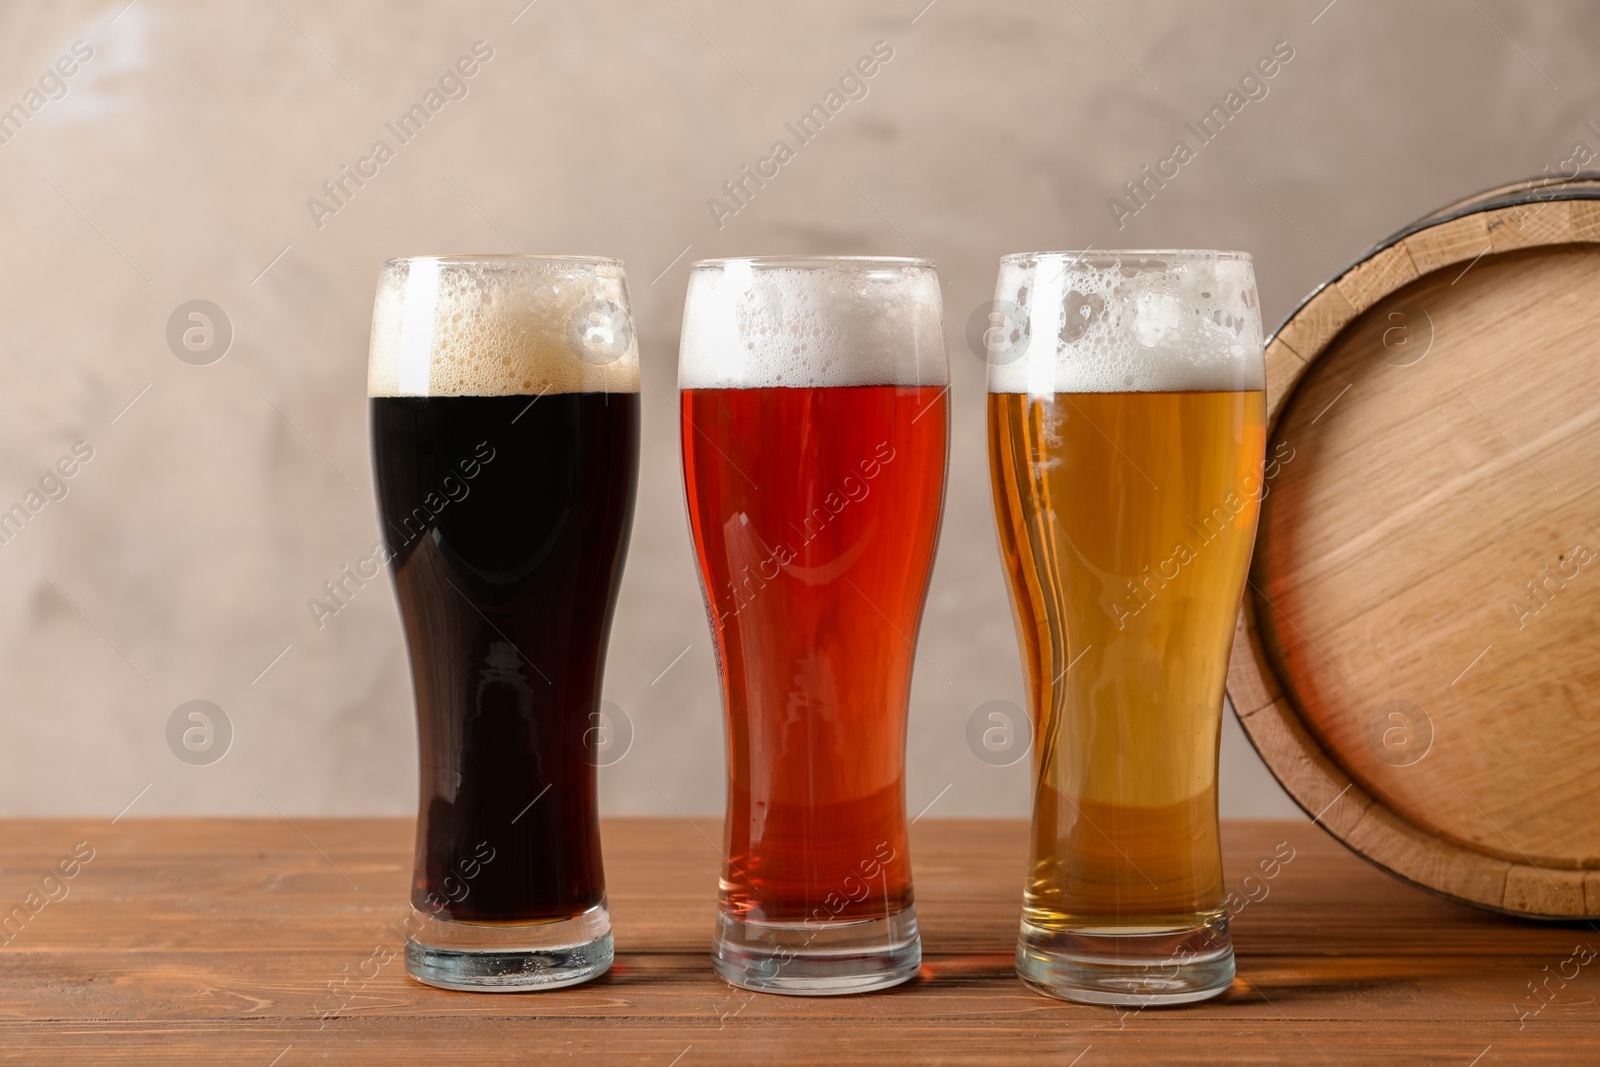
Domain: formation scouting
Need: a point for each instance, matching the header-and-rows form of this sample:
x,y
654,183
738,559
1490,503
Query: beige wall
x,y
178,165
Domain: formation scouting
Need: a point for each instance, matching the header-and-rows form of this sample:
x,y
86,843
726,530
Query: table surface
x,y
219,940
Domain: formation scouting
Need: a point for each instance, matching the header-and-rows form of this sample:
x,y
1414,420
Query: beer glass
x,y
1126,432
814,428
505,437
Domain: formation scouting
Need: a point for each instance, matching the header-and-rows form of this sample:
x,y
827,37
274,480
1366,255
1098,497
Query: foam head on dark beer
x,y
1128,322
502,326
812,323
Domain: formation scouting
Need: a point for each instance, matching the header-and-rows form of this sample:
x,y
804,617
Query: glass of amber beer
x,y
814,428
1126,417
505,443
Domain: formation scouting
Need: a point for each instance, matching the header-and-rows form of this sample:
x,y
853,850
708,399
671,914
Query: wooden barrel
x,y
1418,656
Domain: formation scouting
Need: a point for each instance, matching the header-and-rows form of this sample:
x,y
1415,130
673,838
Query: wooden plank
x,y
1317,323
1251,683
1528,225
1585,220
1372,279
1284,367
1450,242
198,941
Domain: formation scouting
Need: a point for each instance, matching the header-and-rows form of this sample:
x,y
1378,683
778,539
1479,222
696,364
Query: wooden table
x,y
217,941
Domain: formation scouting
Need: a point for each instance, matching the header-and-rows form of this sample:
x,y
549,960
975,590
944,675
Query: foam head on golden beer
x,y
1126,429
1123,323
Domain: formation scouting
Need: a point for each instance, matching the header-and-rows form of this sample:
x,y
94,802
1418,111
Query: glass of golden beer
x,y
1127,423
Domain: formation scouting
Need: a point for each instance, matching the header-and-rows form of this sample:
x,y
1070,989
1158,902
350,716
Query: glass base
x,y
509,957
1138,968
818,960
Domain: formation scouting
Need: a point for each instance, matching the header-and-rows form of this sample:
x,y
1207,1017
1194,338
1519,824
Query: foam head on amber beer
x,y
1128,322
502,326
812,323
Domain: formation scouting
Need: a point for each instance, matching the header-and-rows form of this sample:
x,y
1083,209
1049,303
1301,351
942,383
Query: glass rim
x,y
814,262
505,257
1101,254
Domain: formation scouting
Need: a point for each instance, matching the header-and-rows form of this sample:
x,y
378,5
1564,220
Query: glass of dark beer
x,y
505,438
814,430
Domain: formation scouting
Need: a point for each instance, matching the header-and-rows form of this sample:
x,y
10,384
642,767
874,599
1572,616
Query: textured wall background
x,y
176,164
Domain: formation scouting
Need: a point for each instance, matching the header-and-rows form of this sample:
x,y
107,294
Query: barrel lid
x,y
1418,659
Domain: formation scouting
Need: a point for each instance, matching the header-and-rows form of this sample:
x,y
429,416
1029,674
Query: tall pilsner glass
x,y
505,443
1126,430
814,437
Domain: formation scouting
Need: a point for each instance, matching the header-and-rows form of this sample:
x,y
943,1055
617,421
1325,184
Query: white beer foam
x,y
501,326
1129,322
751,324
